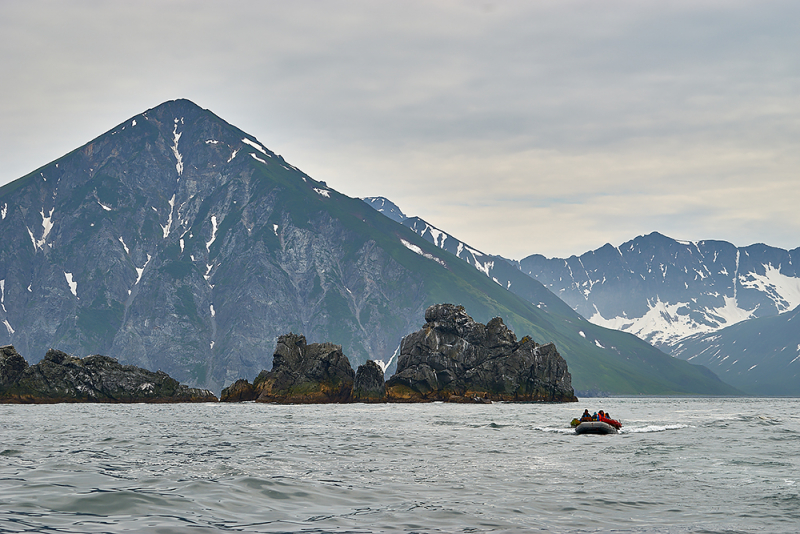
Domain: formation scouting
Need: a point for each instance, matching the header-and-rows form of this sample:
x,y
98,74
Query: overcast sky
x,y
519,127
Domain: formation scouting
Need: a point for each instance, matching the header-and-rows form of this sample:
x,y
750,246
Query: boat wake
x,y
652,428
555,430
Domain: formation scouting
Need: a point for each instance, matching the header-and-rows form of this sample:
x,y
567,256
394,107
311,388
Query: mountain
x,y
614,354
176,241
759,356
665,291
504,272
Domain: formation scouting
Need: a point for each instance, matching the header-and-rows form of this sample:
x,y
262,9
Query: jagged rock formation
x,y
453,358
240,391
302,373
60,377
369,384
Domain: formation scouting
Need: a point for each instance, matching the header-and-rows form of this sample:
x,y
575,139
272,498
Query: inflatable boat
x,y
595,427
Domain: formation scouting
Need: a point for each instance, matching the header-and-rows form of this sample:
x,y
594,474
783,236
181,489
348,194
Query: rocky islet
x,y
452,358
60,377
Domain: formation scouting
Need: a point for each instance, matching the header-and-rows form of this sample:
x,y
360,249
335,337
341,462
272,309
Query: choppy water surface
x,y
680,465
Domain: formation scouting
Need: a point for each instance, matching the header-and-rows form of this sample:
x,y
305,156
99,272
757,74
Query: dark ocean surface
x,y
679,465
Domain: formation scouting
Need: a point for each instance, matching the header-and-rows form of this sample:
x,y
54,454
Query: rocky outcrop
x,y
453,358
369,383
60,377
240,391
304,374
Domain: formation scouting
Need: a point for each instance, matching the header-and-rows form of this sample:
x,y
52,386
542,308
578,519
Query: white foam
x,y
652,428
554,430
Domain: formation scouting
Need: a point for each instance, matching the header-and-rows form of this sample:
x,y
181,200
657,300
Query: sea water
x,y
721,465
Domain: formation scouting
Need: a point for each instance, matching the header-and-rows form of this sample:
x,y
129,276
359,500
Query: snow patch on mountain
x,y
256,146
783,290
484,267
414,248
73,285
213,233
140,271
167,227
667,323
178,157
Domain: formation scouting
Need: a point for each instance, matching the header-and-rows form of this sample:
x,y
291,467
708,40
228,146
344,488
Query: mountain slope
x,y
613,361
176,241
759,356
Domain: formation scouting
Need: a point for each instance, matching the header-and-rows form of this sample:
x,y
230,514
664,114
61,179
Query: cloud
x,y
521,127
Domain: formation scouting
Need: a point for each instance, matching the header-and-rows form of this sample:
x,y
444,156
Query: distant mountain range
x,y
683,297
176,241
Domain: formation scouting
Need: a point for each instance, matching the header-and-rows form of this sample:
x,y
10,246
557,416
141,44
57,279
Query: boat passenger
x,y
586,416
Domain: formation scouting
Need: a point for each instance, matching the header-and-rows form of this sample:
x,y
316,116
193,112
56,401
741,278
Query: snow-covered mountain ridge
x,y
708,302
663,290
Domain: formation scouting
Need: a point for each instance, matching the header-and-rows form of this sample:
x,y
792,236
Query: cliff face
x,y
60,377
455,358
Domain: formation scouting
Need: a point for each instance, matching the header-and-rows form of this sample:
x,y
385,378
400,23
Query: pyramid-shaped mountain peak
x,y
176,241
